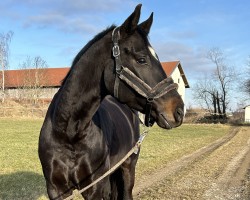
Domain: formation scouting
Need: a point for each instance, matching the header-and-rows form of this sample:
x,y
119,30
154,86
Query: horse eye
x,y
142,61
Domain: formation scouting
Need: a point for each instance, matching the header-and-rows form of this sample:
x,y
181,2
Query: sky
x,y
182,30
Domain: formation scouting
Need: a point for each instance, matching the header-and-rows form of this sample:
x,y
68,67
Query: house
x,y
175,70
43,83
247,114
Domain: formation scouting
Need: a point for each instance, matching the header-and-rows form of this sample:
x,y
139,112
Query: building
x,y
247,114
175,70
33,83
43,83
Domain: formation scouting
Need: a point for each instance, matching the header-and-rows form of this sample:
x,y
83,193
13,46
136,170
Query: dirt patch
x,y
217,171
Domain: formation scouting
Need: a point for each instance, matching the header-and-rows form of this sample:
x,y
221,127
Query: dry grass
x,y
17,109
217,175
163,146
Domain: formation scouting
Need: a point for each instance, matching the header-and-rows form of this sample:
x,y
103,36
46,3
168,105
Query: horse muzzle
x,y
170,119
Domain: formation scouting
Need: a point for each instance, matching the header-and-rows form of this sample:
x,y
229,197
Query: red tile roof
x,y
52,77
49,77
169,67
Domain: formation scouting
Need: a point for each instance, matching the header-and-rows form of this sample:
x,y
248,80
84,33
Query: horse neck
x,y
80,96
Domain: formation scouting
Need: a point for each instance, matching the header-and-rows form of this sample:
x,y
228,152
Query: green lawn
x,y
21,174
20,170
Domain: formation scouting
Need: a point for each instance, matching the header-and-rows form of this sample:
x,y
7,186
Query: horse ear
x,y
130,24
146,25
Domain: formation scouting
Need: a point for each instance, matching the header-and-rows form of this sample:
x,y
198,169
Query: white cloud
x,y
61,23
192,58
183,35
67,16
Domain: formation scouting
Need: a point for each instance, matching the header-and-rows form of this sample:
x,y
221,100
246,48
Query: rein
x,y
142,88
134,150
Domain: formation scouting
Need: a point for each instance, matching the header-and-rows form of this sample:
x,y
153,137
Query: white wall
x,y
176,76
20,93
247,114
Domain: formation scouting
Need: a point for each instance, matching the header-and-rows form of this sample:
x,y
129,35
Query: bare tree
x,y
204,91
5,40
214,91
224,75
247,79
35,77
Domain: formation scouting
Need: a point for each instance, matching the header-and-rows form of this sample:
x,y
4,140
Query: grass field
x,y
21,174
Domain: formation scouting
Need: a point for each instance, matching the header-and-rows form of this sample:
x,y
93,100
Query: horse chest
x,y
87,160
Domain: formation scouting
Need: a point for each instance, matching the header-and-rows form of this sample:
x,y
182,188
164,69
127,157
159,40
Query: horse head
x,y
139,79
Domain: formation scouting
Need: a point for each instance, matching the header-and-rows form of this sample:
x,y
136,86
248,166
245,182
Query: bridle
x,y
142,88
126,75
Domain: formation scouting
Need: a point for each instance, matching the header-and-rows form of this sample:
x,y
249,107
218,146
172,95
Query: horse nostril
x,y
179,114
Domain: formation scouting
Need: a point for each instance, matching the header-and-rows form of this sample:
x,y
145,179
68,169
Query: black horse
x,y
84,134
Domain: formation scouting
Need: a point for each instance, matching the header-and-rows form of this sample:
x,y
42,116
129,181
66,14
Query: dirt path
x,y
217,171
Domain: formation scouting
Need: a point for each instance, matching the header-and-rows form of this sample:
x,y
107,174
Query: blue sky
x,y
182,30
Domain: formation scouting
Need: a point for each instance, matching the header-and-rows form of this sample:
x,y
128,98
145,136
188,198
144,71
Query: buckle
x,y
119,69
116,50
150,99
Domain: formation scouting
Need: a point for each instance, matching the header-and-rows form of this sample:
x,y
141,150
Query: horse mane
x,y
96,38
86,47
